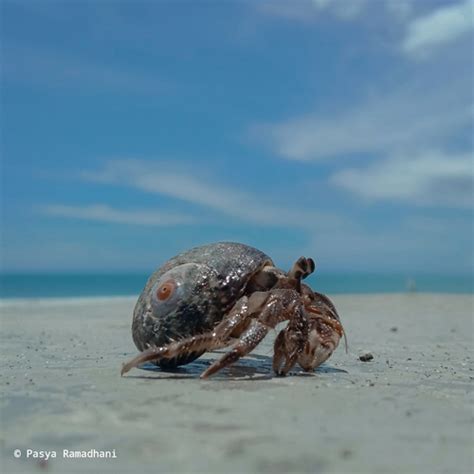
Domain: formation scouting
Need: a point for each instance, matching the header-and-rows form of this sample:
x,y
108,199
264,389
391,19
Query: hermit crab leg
x,y
278,306
290,342
216,339
333,323
247,342
199,343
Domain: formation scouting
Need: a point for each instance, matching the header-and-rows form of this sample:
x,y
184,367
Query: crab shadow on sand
x,y
251,367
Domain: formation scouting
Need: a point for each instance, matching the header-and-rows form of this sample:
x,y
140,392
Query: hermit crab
x,y
230,295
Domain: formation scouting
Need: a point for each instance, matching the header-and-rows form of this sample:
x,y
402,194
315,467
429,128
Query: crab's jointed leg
x,y
278,305
247,342
215,339
290,342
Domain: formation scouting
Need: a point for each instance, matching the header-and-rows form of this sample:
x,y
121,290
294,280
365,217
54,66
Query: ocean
x,y
95,284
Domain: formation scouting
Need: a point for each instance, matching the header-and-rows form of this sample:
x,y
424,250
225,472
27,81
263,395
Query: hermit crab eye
x,y
165,290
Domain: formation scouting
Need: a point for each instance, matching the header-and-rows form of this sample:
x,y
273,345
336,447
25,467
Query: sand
x,y
410,409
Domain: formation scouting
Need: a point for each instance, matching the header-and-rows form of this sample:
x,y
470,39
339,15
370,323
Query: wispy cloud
x,y
104,213
441,26
429,178
343,9
308,10
404,142
159,178
420,36
400,9
434,243
402,119
26,64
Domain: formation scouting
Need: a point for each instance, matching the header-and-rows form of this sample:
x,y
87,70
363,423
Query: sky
x,y
336,129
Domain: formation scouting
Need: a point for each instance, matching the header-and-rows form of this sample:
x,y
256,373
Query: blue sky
x,y
335,129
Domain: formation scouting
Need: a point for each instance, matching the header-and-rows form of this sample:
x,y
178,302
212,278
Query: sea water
x,y
123,284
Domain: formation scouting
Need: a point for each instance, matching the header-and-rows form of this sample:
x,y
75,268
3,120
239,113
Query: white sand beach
x,y
409,410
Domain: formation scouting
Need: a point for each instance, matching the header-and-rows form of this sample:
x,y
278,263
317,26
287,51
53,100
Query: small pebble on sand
x,y
366,356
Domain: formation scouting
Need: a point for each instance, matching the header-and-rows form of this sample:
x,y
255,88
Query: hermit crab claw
x,y
333,316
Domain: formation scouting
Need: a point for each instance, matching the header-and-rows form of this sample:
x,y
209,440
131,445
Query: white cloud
x,y
346,10
400,129
104,213
308,10
47,67
429,178
400,9
386,123
438,27
343,9
301,11
159,178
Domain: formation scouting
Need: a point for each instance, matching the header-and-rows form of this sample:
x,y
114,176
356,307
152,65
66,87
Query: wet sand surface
x,y
410,409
